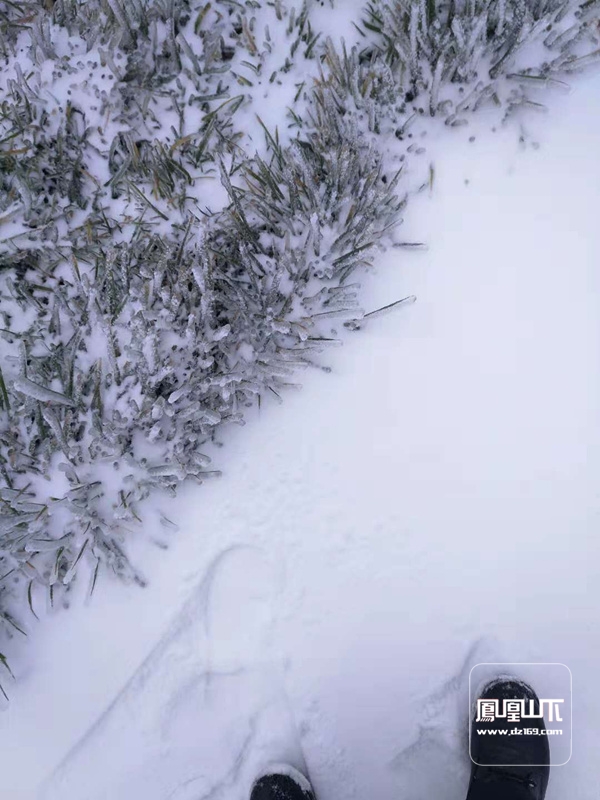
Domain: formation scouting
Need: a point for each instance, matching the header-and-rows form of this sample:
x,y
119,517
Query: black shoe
x,y
282,782
505,766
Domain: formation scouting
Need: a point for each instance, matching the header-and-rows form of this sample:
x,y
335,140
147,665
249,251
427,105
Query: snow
x,y
431,504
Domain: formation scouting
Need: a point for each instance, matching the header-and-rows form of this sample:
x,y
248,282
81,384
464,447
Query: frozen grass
x,y
143,312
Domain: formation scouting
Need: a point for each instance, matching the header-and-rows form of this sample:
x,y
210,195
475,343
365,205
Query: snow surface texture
x,y
144,313
432,504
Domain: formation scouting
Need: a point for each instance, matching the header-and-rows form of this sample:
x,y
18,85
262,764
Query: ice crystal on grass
x,y
140,311
450,58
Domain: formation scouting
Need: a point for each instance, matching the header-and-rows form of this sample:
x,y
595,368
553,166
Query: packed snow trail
x,y
431,504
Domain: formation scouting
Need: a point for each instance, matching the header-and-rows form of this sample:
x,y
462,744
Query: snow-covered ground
x,y
431,504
